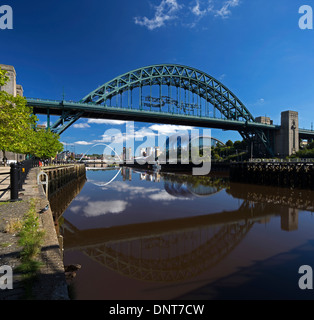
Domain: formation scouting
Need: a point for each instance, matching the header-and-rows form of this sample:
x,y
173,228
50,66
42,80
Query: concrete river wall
x,y
281,174
59,176
64,183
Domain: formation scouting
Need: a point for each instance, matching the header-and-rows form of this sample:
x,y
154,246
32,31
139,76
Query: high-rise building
x,y
11,87
157,152
149,151
128,155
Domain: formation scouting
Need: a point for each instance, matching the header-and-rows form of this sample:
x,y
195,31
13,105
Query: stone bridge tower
x,y
287,138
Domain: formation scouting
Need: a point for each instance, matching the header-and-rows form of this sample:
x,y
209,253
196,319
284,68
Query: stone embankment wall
x,y
281,174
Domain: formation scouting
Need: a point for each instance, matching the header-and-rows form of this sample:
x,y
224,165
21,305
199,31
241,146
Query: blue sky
x,y
254,47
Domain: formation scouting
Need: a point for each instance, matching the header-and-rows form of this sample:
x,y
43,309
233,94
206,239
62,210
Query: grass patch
x,y
14,225
30,238
5,244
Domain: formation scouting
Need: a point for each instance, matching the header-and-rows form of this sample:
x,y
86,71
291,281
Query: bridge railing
x,y
40,99
59,101
159,111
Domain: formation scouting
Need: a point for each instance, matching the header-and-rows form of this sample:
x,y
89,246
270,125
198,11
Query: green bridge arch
x,y
180,76
179,107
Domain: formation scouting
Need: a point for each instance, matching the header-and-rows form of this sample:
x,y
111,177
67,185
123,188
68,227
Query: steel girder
x,y
65,121
171,75
184,77
196,81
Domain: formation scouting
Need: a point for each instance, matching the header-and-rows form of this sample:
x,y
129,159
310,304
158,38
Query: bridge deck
x,y
306,134
102,112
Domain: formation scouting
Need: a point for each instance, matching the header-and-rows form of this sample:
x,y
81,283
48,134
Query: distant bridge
x,y
171,94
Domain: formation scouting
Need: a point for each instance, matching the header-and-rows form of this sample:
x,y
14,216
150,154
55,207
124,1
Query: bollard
x,y
20,176
14,185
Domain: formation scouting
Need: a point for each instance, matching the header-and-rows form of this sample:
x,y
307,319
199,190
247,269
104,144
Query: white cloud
x,y
196,9
166,11
67,144
260,102
81,125
169,10
83,143
222,77
114,135
106,121
99,208
225,12
144,132
168,129
43,123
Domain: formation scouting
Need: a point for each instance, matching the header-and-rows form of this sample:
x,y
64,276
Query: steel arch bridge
x,y
162,93
178,76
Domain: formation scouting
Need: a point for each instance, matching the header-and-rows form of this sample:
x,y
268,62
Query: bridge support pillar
x,y
287,139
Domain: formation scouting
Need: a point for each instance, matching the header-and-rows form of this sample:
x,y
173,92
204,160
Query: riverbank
x,y
50,283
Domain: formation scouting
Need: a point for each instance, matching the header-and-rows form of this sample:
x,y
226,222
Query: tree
x,y
46,144
229,143
17,127
16,122
240,145
3,77
311,145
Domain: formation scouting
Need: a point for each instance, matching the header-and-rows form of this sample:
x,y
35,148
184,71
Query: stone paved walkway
x,y
51,283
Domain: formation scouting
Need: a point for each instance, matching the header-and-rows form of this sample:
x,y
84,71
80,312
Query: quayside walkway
x,y
50,284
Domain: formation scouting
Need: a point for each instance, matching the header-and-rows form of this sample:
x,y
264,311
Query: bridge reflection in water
x,y
179,249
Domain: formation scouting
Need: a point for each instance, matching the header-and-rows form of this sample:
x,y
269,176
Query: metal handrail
x,y
18,173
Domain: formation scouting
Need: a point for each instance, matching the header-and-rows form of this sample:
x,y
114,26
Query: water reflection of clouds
x,y
98,208
125,187
90,208
164,196
122,195
155,194
82,198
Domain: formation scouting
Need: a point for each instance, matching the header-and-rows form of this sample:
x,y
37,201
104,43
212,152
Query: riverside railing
x,y
18,174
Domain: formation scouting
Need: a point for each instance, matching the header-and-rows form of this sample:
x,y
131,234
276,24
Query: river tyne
x,y
146,236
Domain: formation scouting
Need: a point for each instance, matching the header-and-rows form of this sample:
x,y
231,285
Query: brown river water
x,y
143,235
